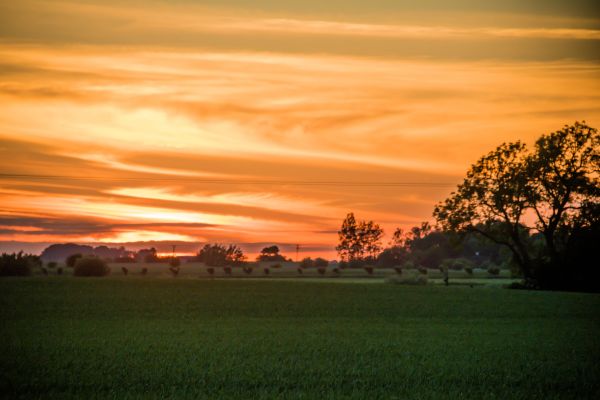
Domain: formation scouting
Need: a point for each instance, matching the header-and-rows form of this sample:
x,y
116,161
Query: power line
x,y
231,181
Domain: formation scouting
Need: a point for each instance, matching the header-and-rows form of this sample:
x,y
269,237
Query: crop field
x,y
155,337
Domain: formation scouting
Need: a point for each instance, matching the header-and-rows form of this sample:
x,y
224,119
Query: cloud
x,y
121,123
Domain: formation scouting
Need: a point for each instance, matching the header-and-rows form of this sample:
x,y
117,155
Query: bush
x,y
16,264
469,270
422,270
174,262
307,263
90,266
369,269
343,264
275,266
72,259
322,270
494,271
409,279
52,264
457,264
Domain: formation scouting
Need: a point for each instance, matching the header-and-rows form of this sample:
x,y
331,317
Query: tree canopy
x,y
512,192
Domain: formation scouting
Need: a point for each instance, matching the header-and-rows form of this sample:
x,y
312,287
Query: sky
x,y
266,122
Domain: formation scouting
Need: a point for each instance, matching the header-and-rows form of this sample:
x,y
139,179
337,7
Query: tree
x,y
358,239
72,259
564,172
348,239
555,186
492,201
218,255
270,253
369,234
147,255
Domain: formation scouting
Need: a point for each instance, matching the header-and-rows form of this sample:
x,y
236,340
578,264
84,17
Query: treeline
x,y
421,247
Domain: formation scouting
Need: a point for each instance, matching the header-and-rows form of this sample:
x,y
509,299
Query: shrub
x,y
408,279
59,271
300,270
227,270
457,264
51,264
174,270
16,264
266,271
144,271
356,264
124,270
90,266
322,270
343,264
469,270
494,271
369,269
398,270
72,259
210,270
422,270
307,263
276,265
174,262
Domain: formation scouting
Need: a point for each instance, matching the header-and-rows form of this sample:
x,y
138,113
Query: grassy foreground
x,y
137,337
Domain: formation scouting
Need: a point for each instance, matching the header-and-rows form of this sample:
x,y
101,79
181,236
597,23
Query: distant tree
x,y
72,259
90,266
270,253
147,255
17,264
321,263
358,240
370,235
392,257
349,246
218,255
398,238
307,263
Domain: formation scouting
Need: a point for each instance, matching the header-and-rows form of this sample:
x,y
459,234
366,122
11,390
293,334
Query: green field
x,y
152,337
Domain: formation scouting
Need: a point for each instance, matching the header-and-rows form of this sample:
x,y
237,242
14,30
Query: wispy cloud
x,y
122,124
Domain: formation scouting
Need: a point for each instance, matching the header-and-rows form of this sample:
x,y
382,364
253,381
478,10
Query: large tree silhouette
x,y
555,186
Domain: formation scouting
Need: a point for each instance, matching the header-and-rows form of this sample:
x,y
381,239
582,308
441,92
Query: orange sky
x,y
135,121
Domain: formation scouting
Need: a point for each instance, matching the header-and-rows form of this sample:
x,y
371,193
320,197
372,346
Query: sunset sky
x,y
265,121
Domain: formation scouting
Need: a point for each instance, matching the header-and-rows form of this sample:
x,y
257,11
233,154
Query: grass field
x,y
147,337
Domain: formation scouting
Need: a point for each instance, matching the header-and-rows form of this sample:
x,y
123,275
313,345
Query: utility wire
x,y
230,181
